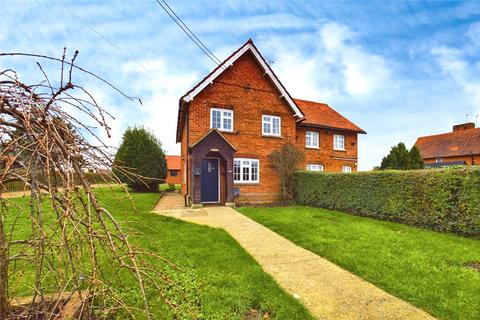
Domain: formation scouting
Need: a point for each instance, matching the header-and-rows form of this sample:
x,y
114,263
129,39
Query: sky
x,y
397,69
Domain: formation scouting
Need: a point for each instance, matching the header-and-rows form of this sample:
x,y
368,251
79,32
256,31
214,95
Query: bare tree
x,y
286,161
46,139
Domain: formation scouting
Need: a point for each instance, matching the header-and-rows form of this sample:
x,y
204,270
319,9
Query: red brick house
x,y
174,169
459,147
231,121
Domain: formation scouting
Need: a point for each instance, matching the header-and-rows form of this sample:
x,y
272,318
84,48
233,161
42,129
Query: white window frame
x,y
438,160
315,167
347,169
269,118
336,142
244,165
312,135
222,117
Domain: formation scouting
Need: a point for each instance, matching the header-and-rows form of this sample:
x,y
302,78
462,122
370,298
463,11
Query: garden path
x,y
328,291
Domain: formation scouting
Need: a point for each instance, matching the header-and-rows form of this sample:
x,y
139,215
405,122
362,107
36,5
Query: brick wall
x,y
470,160
174,179
331,160
249,104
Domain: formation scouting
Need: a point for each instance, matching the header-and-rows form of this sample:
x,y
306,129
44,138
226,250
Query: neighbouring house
x,y
459,147
232,120
174,170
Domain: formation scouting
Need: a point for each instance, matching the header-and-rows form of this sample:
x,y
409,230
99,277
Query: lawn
x,y
166,187
222,281
425,268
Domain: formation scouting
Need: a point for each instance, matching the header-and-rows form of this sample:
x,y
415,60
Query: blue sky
x,y
397,69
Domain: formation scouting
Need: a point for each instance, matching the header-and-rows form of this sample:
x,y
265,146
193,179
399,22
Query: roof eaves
x,y
249,45
306,124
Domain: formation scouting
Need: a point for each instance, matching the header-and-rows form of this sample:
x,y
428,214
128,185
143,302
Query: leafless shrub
x,y
286,161
45,142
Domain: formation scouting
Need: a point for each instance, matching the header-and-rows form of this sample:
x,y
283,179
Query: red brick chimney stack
x,y
464,126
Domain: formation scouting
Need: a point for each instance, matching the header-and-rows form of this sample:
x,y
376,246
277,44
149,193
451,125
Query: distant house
x,y
459,147
173,170
233,119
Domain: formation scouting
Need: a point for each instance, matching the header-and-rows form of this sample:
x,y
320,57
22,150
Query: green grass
x,y
166,186
425,268
221,280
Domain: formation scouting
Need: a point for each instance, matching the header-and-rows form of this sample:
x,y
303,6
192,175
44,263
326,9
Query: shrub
x,y
141,154
285,161
446,200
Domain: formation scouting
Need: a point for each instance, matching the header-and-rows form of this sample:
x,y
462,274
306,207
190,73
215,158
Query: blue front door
x,y
209,180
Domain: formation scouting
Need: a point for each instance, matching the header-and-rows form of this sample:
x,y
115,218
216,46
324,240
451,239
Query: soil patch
x,y
473,265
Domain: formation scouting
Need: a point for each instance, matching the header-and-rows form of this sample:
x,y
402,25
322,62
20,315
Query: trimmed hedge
x,y
446,200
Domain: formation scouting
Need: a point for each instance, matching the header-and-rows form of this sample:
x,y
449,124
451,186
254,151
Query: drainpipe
x,y
187,194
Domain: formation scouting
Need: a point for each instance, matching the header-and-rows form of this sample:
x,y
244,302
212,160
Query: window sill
x,y
246,184
271,136
340,150
223,131
313,148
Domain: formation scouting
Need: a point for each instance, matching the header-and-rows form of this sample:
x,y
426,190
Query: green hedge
x,y
446,200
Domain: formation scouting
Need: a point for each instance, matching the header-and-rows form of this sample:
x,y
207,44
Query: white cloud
x,y
454,65
161,86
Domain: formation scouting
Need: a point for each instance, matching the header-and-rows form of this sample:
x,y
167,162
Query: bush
x,y
141,153
446,200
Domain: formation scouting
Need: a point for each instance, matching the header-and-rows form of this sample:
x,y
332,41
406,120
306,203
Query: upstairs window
x,y
346,169
271,126
338,142
315,167
312,139
246,170
221,119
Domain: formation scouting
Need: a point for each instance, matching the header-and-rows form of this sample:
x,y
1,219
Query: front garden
x,y
437,272
218,280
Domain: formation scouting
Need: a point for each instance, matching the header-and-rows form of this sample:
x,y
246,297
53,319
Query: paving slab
x,y
328,291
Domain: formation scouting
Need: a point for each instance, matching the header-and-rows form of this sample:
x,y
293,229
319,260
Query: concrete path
x,y
328,291
170,201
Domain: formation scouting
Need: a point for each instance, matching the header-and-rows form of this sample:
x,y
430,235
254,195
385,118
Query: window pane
x,y
236,170
227,123
254,171
276,126
266,127
246,171
216,119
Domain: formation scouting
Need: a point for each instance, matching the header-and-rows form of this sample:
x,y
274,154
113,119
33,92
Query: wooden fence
x,y
93,178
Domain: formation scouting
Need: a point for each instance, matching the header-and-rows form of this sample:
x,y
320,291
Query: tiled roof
x,y
322,115
458,143
173,162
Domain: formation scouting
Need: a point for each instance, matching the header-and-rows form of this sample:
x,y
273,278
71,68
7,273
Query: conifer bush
x,y
141,154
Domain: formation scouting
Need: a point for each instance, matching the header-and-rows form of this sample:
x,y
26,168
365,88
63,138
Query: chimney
x,y
464,126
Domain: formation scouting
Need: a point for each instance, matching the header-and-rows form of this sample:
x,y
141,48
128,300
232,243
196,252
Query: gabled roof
x,y
457,143
322,115
246,47
173,162
212,131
